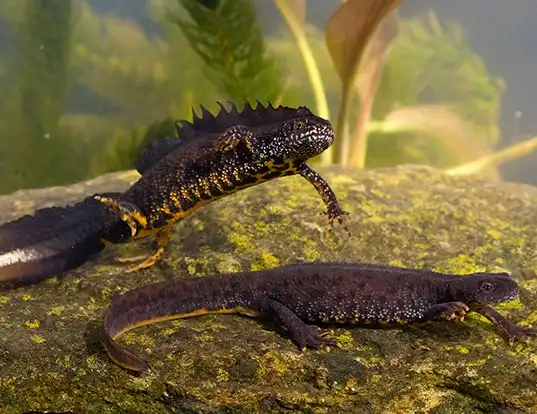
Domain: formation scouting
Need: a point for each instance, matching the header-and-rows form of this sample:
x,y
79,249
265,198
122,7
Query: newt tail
x,y
54,240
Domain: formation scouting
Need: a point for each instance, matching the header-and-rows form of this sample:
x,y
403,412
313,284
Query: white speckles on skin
x,y
364,308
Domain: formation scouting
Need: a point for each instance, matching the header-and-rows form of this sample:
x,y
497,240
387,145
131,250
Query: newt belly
x,y
298,296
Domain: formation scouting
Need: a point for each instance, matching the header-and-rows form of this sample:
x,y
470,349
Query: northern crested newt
x,y
300,295
214,156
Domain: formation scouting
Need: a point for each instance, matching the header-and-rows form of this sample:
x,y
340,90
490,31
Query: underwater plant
x,y
87,89
35,87
419,93
348,36
228,39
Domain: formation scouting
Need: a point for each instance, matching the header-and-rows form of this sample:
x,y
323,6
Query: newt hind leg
x,y
303,335
138,222
128,213
163,239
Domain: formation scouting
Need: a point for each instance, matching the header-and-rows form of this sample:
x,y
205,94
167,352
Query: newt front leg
x,y
448,311
510,330
333,209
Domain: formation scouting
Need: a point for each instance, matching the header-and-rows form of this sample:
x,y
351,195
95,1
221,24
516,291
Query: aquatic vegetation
x,y
124,146
87,88
348,35
391,71
294,13
36,90
229,41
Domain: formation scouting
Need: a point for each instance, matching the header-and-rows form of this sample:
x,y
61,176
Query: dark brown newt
x,y
300,295
214,156
217,156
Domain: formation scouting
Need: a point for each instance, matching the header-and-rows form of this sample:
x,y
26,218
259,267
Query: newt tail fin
x,y
54,240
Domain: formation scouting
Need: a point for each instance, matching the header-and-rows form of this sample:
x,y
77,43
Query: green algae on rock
x,y
51,358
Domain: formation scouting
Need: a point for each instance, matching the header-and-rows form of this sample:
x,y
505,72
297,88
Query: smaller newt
x,y
299,295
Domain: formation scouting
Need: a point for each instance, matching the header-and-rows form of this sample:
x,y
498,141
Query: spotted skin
x,y
210,164
299,296
333,209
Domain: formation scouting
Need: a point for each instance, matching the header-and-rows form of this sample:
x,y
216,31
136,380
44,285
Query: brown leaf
x,y
372,62
367,81
349,30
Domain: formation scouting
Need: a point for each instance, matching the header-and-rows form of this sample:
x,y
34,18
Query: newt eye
x,y
299,124
486,286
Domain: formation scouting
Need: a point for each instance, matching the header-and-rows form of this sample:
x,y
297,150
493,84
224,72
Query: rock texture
x,y
50,353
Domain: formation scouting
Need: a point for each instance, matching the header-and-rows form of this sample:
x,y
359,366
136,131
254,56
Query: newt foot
x,y
519,333
454,311
310,337
333,217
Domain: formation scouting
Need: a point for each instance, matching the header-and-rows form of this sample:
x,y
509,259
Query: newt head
x,y
297,139
483,288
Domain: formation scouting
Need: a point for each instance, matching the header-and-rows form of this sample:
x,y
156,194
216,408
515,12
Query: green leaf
x,y
229,41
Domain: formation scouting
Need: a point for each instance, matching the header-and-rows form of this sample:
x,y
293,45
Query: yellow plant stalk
x,y
297,30
496,158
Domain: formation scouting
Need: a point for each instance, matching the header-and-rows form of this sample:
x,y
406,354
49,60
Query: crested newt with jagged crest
x,y
214,156
299,295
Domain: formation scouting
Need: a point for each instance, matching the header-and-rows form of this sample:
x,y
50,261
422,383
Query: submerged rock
x,y
51,358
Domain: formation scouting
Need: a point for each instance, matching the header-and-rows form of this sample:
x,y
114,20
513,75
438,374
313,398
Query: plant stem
x,y
297,30
43,41
497,158
357,157
342,138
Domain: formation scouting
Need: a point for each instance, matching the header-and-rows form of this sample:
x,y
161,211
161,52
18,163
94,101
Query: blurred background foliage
x,y
82,90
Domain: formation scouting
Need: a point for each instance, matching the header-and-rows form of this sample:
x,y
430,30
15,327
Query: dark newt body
x,y
217,156
299,295
214,156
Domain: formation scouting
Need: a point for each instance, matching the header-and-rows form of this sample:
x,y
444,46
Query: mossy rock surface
x,y
50,353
